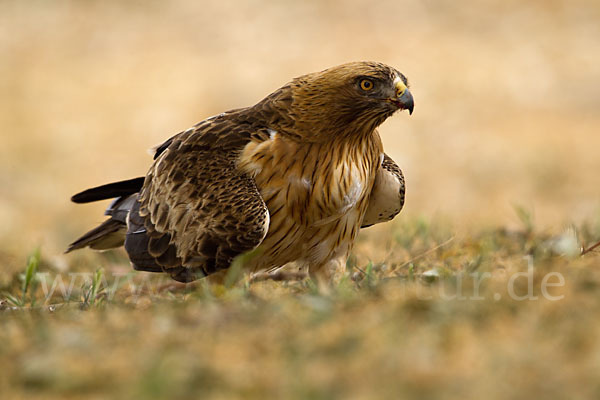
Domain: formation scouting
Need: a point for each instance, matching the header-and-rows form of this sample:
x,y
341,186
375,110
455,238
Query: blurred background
x,y
507,98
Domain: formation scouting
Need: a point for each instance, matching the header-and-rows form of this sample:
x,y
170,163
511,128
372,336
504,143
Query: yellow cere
x,y
400,87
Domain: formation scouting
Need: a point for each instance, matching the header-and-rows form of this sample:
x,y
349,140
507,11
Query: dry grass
x,y
507,101
447,324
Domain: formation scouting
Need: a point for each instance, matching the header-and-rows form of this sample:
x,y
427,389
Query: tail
x,y
111,233
109,191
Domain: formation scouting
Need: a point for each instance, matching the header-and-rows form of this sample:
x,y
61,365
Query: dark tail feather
x,y
109,191
109,234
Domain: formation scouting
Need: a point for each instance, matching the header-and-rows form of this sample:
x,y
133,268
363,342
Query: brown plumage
x,y
291,179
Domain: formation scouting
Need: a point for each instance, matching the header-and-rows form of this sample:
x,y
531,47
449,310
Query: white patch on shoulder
x,y
381,157
272,133
214,116
152,150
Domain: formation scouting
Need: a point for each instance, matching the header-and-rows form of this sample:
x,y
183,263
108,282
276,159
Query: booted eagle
x,y
290,179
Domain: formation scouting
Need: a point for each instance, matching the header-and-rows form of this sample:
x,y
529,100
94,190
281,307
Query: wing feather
x,y
198,211
387,197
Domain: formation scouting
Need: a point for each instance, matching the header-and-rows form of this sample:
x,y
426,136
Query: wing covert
x,y
197,211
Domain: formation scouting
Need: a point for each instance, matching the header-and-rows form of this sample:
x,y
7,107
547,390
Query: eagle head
x,y
349,99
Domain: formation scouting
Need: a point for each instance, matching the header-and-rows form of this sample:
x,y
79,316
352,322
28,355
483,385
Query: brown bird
x,y
290,179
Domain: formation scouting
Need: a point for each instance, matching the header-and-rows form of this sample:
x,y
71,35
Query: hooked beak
x,y
404,99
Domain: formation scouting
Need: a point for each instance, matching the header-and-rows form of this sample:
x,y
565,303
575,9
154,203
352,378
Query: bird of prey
x,y
290,179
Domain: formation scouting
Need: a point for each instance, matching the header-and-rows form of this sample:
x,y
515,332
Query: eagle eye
x,y
366,85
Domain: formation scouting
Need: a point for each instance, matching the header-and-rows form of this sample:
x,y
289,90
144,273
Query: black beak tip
x,y
407,101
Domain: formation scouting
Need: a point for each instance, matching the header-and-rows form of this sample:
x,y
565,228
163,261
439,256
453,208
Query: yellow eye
x,y
366,84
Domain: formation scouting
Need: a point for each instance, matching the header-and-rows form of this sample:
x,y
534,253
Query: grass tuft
x,y
92,293
29,283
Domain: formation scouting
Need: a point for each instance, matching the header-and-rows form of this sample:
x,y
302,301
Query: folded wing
x,y
387,197
196,211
